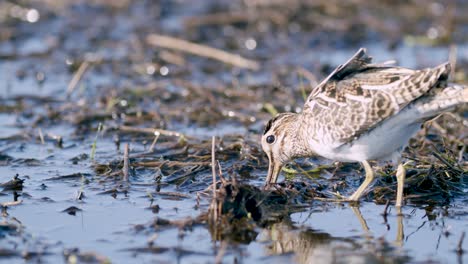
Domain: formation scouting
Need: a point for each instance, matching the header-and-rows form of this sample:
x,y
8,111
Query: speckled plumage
x,y
359,95
361,111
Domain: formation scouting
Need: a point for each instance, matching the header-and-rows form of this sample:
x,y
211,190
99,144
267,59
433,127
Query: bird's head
x,y
278,142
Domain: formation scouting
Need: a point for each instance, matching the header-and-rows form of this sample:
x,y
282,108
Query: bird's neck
x,y
300,136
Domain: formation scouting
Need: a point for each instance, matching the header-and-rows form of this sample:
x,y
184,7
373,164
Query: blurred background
x,y
80,79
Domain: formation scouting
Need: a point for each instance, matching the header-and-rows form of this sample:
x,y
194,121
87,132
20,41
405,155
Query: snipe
x,y
362,111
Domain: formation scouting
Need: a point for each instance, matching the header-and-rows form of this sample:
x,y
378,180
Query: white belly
x,y
382,143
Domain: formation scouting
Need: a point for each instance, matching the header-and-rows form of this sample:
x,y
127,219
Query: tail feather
x,y
420,83
445,100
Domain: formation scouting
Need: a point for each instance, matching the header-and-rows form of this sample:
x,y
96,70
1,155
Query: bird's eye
x,y
270,139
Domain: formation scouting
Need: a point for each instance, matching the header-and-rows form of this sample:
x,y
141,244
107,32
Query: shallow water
x,y
119,225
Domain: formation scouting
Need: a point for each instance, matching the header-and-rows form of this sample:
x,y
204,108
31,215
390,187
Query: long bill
x,y
274,169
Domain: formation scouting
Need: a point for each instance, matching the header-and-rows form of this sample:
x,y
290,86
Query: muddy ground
x,y
108,111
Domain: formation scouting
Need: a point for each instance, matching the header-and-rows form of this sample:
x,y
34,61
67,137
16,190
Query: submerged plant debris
x,y
108,111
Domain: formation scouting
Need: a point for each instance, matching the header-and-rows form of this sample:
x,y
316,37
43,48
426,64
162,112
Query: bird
x,y
362,111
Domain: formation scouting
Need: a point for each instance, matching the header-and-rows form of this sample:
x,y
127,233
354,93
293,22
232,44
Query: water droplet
x,y
150,69
432,33
250,44
32,16
40,77
164,70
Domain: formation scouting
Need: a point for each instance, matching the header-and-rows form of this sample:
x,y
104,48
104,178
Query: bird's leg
x,y
400,175
369,178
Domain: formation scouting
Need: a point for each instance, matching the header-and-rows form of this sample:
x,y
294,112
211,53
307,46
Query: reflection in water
x,y
400,232
361,219
307,245
400,229
313,246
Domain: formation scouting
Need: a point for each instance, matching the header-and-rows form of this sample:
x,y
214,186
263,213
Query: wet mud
x,y
109,111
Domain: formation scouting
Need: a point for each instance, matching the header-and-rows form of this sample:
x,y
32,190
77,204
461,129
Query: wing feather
x,y
358,95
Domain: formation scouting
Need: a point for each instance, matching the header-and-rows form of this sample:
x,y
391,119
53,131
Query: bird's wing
x,y
358,95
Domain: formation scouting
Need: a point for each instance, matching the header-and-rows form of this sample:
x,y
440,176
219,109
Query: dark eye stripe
x,y
268,126
270,123
279,117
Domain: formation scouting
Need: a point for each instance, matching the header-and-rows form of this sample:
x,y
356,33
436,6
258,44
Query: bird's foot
x,y
338,198
271,186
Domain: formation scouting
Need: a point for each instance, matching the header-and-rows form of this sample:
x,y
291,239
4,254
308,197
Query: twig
x,y
270,109
94,145
213,164
77,77
6,204
172,194
173,58
234,180
221,177
126,163
201,50
210,188
80,195
460,244
152,238
461,153
221,252
156,136
213,171
385,214
198,200
57,138
442,159
453,60
41,136
150,131
171,163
